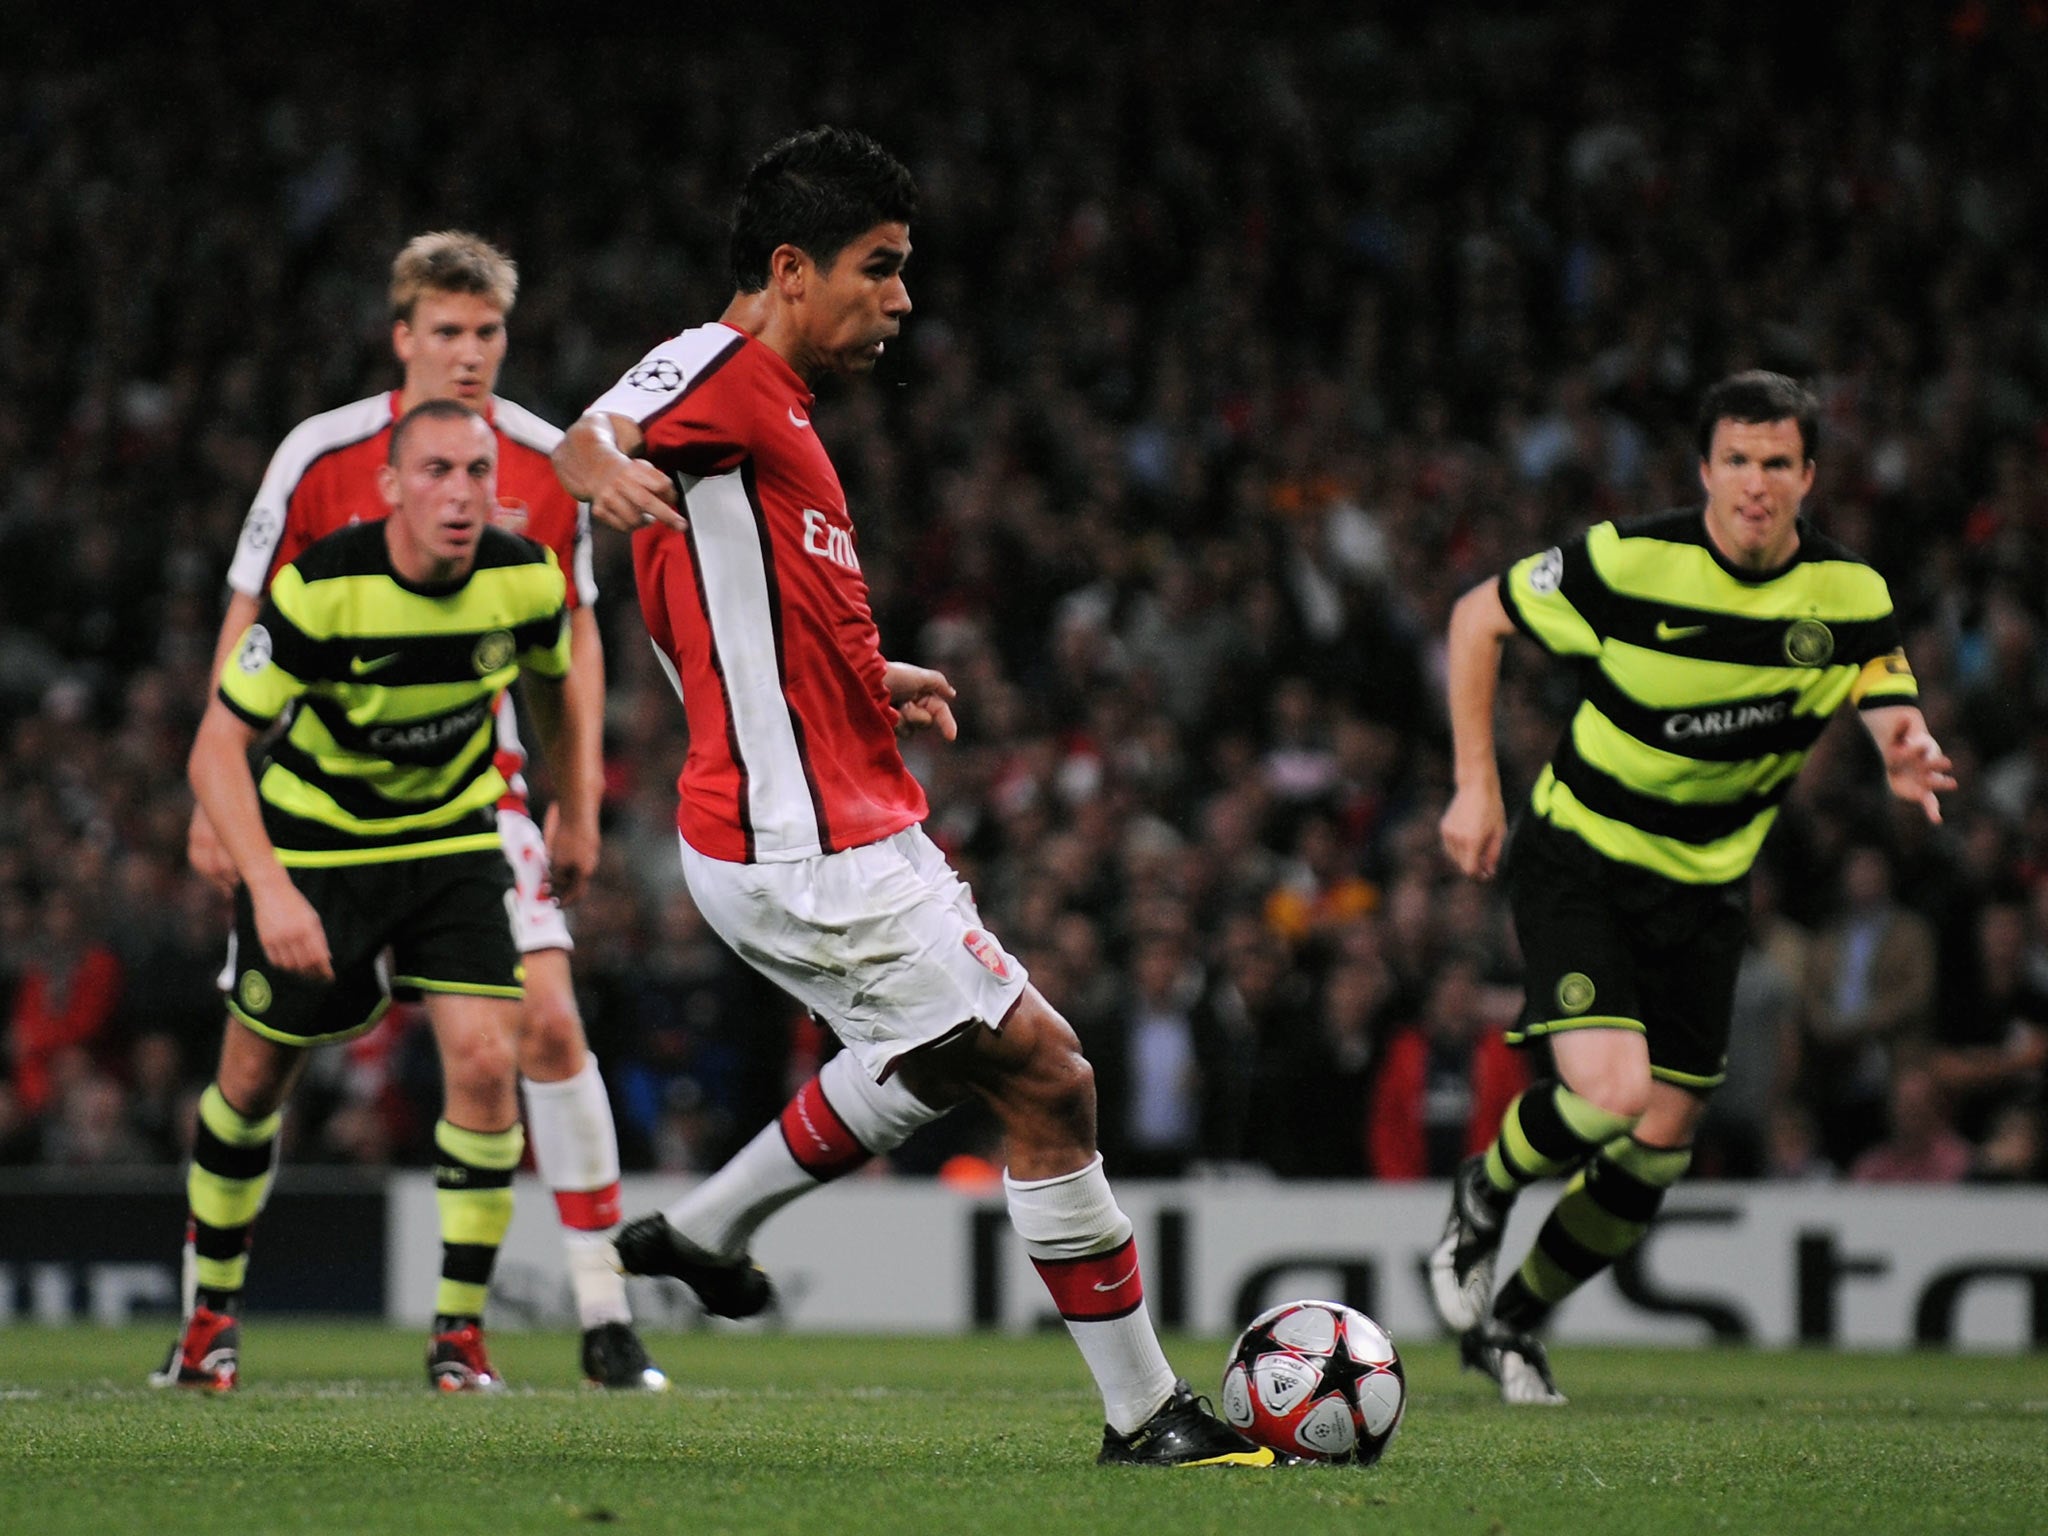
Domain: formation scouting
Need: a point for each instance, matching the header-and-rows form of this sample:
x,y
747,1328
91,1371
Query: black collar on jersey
x,y
432,588
424,588
1756,578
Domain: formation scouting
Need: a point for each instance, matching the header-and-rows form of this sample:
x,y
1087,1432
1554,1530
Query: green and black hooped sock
x,y
473,1187
233,1161
1602,1214
1547,1130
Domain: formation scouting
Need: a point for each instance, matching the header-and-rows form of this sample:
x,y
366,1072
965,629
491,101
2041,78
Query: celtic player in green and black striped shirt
x,y
1716,644
371,829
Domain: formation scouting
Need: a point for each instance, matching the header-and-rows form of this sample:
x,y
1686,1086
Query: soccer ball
x,y
1316,1379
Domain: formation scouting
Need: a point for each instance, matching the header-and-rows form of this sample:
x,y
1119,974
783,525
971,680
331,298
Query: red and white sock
x,y
1082,1246
836,1122
576,1148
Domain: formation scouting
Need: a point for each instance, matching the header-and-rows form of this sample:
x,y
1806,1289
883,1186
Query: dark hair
x,y
427,410
818,191
1758,396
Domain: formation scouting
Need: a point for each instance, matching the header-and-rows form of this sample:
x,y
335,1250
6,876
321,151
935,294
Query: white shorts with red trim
x,y
881,942
537,921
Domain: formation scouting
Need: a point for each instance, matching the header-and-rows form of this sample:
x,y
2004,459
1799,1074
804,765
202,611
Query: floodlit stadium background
x,y
1241,348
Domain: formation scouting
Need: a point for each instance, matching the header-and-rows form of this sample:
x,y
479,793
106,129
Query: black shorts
x,y
1609,946
446,920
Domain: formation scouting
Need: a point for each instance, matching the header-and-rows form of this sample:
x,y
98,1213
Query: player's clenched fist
x,y
633,495
923,699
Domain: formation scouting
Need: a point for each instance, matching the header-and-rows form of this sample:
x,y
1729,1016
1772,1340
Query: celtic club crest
x,y
1809,643
1575,993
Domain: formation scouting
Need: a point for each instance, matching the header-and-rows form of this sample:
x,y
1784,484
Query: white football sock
x,y
576,1148
1081,1243
835,1123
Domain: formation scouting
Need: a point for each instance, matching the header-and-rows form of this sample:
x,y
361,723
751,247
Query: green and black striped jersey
x,y
390,753
1706,689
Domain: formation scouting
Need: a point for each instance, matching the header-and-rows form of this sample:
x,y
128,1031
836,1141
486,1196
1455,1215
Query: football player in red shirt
x,y
450,294
799,822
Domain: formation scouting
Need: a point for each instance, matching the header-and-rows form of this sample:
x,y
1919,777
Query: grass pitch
x,y
335,1431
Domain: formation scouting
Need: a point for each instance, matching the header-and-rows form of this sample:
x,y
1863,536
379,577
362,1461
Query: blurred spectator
x,y
1992,1052
1319,890
1166,1023
159,1099
88,1123
171,948
20,1136
64,997
1262,1050
1792,1151
1763,1041
1923,1146
1445,1080
1869,990
2015,1149
681,1063
1317,1127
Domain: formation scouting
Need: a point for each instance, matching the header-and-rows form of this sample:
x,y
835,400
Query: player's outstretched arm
x,y
597,462
287,925
1475,824
923,699
1914,765
203,848
576,767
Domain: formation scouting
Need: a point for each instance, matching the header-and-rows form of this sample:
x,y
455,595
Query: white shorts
x,y
537,921
882,942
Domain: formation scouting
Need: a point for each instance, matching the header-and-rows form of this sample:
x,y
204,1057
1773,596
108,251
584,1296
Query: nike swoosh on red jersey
x,y
796,420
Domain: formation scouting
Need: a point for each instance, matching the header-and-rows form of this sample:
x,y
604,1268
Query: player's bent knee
x,y
1609,1068
1618,1092
550,1039
1053,1081
254,1074
1030,1071
1046,1042
477,1057
254,1095
479,1069
1067,1090
550,1030
1673,1118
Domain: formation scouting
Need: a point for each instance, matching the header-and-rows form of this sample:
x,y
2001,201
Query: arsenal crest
x,y
988,952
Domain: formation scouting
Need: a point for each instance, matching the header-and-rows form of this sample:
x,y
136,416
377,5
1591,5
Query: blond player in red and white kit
x,y
800,823
450,294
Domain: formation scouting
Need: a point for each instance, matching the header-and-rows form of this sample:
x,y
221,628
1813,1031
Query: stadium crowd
x,y
1241,348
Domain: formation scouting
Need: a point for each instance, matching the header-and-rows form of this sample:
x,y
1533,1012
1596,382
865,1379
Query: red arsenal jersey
x,y
758,610
323,477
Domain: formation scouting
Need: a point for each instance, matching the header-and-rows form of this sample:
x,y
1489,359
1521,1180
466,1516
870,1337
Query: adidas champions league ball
x,y
1316,1379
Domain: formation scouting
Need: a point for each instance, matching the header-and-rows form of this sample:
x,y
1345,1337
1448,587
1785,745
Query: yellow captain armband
x,y
1888,677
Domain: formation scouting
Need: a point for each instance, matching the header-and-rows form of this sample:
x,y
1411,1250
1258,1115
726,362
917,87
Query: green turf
x,y
335,1431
